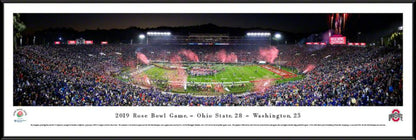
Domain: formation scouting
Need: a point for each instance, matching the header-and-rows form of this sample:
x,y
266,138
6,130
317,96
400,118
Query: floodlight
x,y
141,36
158,33
277,35
258,34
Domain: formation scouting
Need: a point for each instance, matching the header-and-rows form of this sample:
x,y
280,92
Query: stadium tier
x,y
194,39
207,75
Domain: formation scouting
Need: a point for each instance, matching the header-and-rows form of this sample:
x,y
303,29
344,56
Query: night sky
x,y
294,23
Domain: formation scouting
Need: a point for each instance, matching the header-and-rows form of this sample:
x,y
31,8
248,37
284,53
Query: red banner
x,y
337,40
356,44
72,42
88,42
315,43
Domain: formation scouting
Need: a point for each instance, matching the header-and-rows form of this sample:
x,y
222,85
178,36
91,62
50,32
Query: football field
x,y
233,78
236,74
227,73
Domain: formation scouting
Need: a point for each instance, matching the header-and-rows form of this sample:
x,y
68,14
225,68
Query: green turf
x,y
231,73
235,74
158,73
124,72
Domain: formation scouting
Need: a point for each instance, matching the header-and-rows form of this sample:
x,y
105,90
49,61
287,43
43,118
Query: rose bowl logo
x,y
395,116
20,115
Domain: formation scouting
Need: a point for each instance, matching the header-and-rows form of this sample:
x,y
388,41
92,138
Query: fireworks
x,y
338,21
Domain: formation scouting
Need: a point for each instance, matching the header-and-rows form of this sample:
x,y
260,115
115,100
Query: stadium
x,y
193,68
178,67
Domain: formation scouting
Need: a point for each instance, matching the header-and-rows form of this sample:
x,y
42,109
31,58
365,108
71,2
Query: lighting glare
x,y
158,33
258,34
277,36
141,36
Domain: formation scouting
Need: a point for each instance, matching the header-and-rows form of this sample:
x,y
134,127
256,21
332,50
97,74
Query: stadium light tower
x,y
150,34
277,35
158,33
258,34
141,36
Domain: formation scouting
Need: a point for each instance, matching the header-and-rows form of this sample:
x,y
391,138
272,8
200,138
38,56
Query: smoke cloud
x,y
223,57
190,55
309,68
179,77
269,54
262,85
142,57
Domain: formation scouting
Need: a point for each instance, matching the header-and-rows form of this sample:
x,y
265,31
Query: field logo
x,y
19,115
395,115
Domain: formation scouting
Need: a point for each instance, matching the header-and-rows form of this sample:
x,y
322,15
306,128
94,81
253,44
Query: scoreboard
x,y
337,40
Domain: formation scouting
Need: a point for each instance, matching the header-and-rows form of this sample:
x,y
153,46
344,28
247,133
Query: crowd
x,y
205,54
82,76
